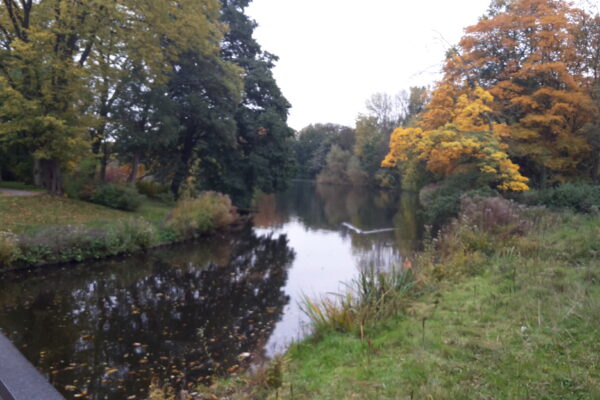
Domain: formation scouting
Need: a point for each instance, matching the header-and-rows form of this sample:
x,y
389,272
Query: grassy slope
x,y
20,214
527,327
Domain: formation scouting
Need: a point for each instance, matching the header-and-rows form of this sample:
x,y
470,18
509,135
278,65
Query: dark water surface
x,y
183,314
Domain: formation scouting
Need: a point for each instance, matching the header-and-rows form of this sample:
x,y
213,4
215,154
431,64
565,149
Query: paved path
x,y
15,192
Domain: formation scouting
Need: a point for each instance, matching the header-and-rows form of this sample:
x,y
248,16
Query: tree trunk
x,y
37,173
49,176
104,161
183,169
134,168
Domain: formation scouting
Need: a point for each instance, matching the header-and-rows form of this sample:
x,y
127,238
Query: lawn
x,y
21,214
527,327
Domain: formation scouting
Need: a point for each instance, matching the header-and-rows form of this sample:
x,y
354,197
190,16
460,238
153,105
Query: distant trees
x,y
342,155
313,143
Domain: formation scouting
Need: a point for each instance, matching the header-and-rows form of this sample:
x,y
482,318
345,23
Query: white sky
x,y
334,54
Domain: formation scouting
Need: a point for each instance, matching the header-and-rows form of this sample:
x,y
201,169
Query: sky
x,y
335,54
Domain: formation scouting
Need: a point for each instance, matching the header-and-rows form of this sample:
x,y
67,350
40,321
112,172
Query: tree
x,y
63,63
313,143
467,143
262,157
525,53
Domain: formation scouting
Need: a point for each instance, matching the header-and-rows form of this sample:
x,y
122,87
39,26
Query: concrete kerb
x,y
19,380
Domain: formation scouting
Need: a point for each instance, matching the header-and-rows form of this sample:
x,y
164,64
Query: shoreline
x,y
42,231
236,226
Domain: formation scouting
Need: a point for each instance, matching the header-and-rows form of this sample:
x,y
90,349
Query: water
x,y
186,313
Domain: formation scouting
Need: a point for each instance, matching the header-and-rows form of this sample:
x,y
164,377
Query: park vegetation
x,y
44,229
178,93
502,302
504,151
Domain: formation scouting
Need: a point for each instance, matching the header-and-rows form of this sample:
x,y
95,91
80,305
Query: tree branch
x,y
12,14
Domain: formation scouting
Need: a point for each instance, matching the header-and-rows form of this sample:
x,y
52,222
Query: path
x,y
14,192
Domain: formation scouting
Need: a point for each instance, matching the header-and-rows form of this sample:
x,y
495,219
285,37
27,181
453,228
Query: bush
x,y
442,202
117,196
9,249
482,226
151,189
577,197
136,234
193,217
80,184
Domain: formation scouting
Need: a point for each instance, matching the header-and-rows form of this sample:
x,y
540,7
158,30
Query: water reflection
x,y
182,314
328,254
189,312
326,207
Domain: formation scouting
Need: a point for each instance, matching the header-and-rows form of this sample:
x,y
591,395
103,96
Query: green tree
x,y
313,143
62,63
262,157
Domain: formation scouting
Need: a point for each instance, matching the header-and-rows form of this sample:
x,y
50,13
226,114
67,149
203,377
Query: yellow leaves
x,y
401,143
486,169
463,143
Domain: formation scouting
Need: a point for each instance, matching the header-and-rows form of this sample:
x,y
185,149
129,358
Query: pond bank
x,y
509,312
208,308
48,230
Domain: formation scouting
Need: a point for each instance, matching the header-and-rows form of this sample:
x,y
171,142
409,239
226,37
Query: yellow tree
x,y
468,141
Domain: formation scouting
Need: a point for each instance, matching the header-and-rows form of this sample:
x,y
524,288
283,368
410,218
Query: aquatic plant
x,y
374,295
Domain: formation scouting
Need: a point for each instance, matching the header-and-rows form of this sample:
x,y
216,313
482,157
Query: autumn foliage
x,y
517,100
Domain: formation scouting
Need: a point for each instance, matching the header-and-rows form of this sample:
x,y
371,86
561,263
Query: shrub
x,y
483,225
117,196
136,234
151,189
442,202
80,184
9,249
577,197
193,217
117,174
494,215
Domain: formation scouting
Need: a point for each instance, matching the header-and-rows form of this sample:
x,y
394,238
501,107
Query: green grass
x,y
20,186
528,326
22,214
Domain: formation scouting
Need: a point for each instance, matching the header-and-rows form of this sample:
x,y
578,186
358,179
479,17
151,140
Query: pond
x,y
187,313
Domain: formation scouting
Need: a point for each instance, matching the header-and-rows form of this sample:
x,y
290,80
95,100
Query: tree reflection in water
x,y
182,314
326,207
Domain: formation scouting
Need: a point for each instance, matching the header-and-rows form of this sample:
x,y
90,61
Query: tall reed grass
x,y
373,296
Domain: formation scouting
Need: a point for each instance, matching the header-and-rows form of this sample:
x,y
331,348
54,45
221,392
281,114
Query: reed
x,y
373,296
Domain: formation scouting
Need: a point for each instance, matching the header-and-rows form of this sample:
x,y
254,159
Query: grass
x,y
44,229
22,214
507,311
20,186
526,326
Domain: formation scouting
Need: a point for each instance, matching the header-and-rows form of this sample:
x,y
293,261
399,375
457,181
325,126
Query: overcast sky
x,y
334,54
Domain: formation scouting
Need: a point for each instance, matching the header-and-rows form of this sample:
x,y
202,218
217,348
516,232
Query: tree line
x,y
337,154
180,88
518,106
